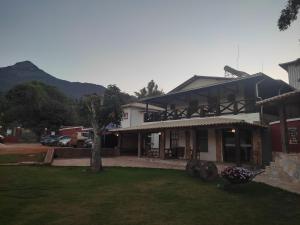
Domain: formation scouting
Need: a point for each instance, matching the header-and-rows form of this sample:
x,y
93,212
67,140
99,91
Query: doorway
x,y
229,146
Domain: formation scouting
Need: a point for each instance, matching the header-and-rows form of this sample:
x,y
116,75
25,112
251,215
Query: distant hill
x,y
26,71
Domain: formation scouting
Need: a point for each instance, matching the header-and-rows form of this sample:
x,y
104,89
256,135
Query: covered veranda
x,y
286,109
213,139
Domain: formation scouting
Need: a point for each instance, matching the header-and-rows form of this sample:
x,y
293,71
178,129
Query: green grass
x,y
46,195
14,158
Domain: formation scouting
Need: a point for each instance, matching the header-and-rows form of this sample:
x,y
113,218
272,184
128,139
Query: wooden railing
x,y
232,107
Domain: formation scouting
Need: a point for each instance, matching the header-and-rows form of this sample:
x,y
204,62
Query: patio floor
x,y
131,161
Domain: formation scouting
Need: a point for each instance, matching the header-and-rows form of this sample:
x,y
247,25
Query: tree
x,y
102,111
2,110
149,91
37,106
288,14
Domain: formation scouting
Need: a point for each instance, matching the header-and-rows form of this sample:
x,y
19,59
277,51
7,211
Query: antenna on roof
x,y
238,57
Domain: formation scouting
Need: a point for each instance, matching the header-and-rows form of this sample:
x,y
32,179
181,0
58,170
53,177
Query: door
x,y
229,148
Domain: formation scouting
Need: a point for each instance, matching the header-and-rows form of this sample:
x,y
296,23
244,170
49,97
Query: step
x,y
49,156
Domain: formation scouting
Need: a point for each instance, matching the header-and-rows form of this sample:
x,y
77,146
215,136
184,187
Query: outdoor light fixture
x,y
233,130
117,134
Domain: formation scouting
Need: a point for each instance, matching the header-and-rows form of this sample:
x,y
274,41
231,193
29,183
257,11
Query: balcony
x,y
224,108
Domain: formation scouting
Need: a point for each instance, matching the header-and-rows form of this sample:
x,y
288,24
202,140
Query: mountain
x,y
26,71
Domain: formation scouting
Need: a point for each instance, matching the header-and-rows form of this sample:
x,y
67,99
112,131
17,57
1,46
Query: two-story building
x,y
209,118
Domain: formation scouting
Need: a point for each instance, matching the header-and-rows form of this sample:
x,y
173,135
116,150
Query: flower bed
x,y
237,175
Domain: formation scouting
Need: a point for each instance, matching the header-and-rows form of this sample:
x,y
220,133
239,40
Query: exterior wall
x,y
211,154
135,117
294,75
276,135
154,140
126,122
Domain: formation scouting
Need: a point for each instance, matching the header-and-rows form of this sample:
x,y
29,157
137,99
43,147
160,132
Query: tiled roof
x,y
279,97
196,122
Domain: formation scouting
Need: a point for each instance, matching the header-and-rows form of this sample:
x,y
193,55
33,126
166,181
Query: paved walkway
x,y
131,161
288,186
125,161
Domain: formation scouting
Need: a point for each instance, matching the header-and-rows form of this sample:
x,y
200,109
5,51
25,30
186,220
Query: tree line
x,y
37,106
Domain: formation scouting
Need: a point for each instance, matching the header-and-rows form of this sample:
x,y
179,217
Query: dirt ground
x,y
22,148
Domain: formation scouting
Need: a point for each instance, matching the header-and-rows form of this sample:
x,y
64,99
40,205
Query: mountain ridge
x,y
26,71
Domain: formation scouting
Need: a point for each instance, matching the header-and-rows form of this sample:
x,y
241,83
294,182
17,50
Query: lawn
x,y
15,158
47,195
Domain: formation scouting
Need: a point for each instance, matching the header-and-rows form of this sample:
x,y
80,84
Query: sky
x,y
130,42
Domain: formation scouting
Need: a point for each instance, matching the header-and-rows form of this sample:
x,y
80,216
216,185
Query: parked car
x,y
51,140
64,141
1,138
88,143
44,139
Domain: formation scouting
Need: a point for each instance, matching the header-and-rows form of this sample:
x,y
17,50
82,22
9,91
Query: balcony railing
x,y
232,107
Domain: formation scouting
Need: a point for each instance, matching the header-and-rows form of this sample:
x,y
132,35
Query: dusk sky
x,y
130,42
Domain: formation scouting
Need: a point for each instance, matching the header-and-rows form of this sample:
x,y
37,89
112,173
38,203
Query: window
x,y
174,138
125,116
293,135
202,140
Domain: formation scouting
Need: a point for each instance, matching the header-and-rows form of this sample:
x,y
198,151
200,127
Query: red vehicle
x,y
78,135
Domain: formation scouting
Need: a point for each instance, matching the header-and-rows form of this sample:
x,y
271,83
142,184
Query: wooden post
x,y
218,145
166,113
119,143
237,146
162,143
235,107
283,129
194,143
187,154
139,144
147,112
